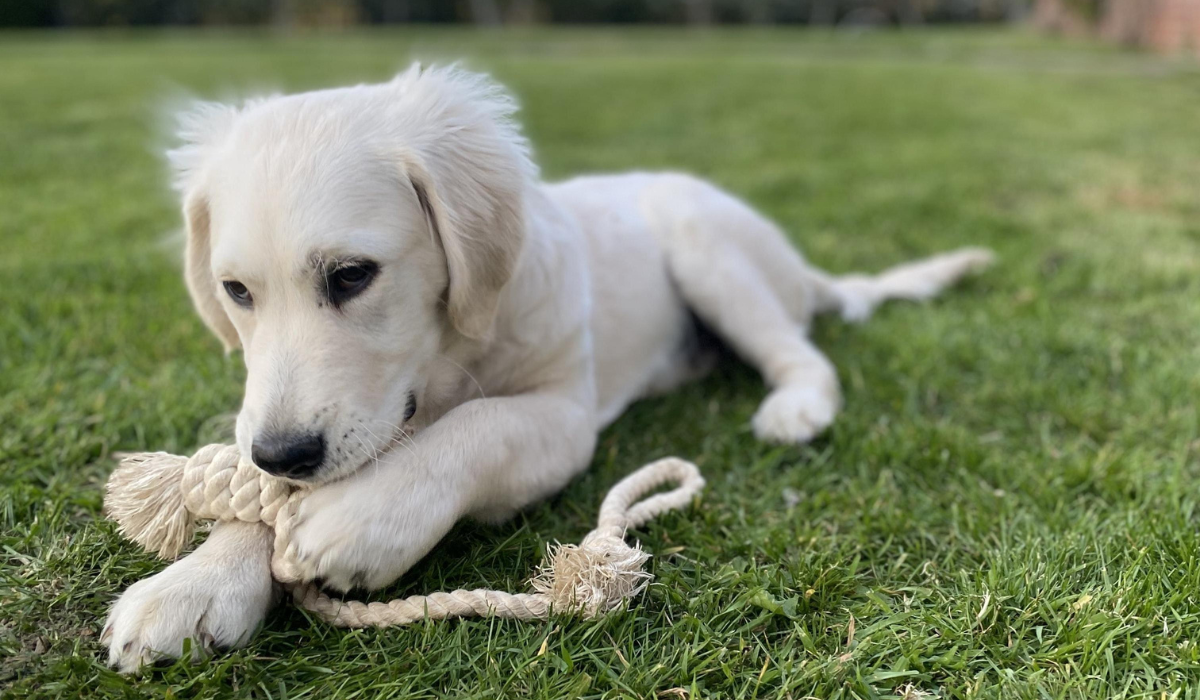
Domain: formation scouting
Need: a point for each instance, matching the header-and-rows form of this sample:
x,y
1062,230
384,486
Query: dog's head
x,y
339,237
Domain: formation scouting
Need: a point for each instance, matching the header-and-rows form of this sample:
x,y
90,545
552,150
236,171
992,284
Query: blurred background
x,y
1163,25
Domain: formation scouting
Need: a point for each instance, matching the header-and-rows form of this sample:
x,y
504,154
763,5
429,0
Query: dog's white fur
x,y
523,316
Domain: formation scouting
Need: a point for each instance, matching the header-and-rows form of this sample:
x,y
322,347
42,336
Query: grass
x,y
1006,507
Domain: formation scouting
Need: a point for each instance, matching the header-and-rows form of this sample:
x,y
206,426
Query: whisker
x,y
368,454
397,432
478,386
374,458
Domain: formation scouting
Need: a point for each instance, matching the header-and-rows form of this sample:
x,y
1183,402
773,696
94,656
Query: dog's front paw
x,y
214,602
795,414
365,531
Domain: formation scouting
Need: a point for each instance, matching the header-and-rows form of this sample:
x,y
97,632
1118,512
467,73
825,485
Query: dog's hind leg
x,y
741,278
740,275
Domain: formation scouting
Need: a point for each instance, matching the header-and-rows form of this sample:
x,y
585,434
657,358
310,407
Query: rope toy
x,y
158,498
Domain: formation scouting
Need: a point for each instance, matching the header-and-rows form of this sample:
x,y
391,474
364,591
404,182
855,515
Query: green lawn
x,y
1005,508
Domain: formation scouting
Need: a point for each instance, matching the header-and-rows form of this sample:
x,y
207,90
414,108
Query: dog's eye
x,y
238,292
348,281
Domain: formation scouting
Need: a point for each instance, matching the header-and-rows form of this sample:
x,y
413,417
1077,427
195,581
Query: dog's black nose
x,y
292,455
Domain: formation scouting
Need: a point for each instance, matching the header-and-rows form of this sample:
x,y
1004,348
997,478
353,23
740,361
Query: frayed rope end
x,y
594,577
144,497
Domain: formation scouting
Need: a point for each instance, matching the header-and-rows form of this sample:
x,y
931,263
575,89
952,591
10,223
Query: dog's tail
x,y
856,296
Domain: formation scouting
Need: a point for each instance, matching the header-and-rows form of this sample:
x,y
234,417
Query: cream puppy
x,y
432,333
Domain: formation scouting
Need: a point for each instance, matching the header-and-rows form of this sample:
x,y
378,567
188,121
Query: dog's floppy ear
x,y
198,271
471,170
481,247
201,127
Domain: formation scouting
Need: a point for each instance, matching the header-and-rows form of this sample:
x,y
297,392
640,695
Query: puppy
x,y
432,333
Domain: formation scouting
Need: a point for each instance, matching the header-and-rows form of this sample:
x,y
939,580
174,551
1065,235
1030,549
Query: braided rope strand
x,y
157,499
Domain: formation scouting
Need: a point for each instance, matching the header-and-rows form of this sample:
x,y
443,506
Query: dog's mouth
x,y
410,409
402,434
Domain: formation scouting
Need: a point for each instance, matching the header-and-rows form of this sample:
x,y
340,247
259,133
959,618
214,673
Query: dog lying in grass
x,y
431,333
